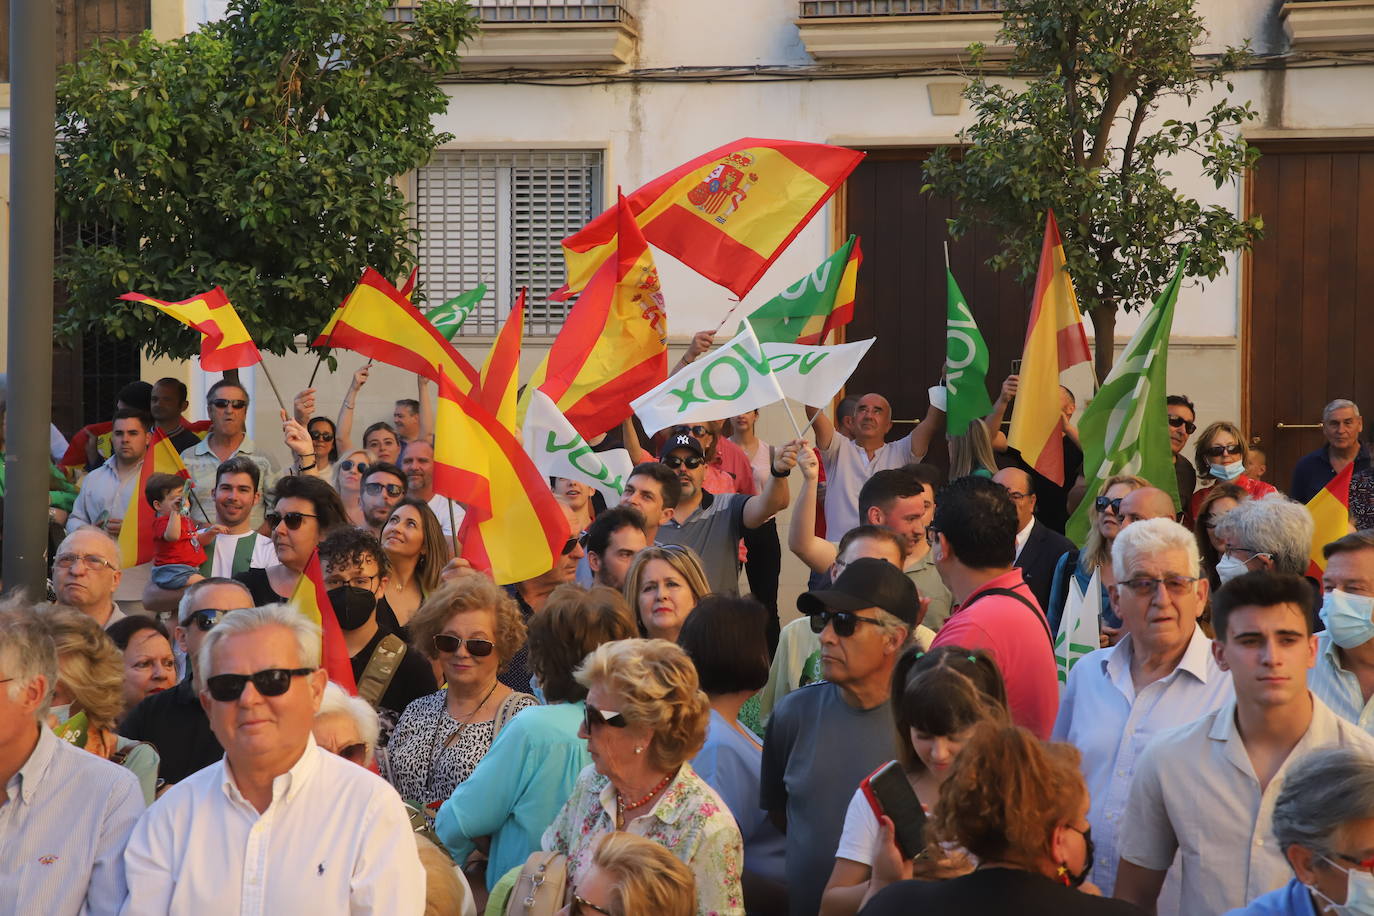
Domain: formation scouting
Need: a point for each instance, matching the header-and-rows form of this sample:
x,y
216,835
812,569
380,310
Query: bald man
x,y
1147,502
1038,547
86,572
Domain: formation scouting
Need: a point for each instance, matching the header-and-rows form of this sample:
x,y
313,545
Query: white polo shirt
x,y
847,469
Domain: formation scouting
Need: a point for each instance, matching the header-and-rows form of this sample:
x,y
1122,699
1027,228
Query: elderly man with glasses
x,y
86,573
1160,675
1273,534
280,825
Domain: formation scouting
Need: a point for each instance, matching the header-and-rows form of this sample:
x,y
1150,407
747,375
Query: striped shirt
x,y
63,827
1339,688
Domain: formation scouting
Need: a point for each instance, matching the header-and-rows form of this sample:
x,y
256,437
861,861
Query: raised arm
x,y
934,423
701,342
822,425
993,421
817,553
343,429
632,443
763,506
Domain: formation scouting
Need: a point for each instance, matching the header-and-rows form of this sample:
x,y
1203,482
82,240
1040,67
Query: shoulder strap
x,y
505,714
122,754
381,668
1011,593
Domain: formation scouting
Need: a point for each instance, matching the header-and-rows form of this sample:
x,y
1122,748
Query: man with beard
x,y
105,492
383,487
417,462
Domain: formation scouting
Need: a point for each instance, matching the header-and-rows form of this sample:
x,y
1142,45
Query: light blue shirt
x,y
1293,899
729,763
518,789
1338,688
62,832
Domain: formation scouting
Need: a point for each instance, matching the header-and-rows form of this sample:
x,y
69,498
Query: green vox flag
x,y
818,303
1125,430
966,363
449,317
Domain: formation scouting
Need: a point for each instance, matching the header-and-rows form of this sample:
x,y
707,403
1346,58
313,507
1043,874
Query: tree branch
x,y
1118,88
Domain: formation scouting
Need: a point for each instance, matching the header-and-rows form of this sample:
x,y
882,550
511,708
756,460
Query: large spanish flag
x,y
613,346
1330,510
501,371
378,321
310,599
1055,340
726,214
136,530
225,343
480,463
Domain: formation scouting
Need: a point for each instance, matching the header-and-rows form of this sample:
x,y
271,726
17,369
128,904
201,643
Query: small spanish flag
x,y
1330,510
226,343
135,538
310,600
501,371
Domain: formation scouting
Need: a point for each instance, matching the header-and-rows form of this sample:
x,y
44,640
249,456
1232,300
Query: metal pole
x,y
33,111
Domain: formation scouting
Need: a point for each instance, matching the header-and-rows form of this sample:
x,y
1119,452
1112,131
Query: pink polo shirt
x,y
1016,637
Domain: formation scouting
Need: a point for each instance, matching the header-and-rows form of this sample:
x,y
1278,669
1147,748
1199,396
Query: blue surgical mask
x,y
537,690
1348,618
1359,893
1226,471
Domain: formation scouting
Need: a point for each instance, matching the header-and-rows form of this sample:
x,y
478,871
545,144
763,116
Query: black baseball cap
x,y
865,583
681,440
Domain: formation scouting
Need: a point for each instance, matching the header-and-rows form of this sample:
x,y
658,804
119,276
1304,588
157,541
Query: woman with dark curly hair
x,y
472,628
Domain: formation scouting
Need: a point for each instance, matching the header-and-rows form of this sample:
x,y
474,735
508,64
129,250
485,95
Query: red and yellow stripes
x,y
225,343
310,599
500,376
842,312
136,530
1330,510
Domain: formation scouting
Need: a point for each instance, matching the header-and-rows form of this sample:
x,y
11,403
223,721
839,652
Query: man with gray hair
x,y
1159,676
1344,676
65,814
1273,533
280,825
1341,425
86,573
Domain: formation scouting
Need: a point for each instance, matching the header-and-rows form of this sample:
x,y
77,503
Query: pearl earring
x,y
639,750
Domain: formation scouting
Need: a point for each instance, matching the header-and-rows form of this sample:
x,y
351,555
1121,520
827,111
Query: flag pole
x,y
267,375
727,317
453,530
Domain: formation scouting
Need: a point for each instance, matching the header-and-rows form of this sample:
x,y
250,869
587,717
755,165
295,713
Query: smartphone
x,y
1016,367
888,792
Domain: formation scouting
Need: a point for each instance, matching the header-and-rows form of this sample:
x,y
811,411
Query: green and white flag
x,y
449,317
1078,628
1125,430
729,381
966,363
558,450
815,305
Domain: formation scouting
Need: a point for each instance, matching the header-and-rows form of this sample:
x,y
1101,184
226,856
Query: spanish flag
x,y
501,371
480,463
310,599
136,530
1330,510
225,343
613,346
726,214
376,320
1055,340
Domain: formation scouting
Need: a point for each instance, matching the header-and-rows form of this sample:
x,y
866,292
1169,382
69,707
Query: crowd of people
x,y
633,731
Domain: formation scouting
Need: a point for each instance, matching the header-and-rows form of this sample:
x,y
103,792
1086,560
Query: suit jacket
x,y
1043,549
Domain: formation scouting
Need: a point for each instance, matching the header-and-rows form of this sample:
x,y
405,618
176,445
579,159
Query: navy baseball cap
x,y
681,440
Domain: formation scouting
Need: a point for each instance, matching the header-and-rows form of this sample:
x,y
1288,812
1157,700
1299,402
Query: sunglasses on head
x,y
270,682
844,622
692,461
206,618
293,520
1184,422
594,716
477,648
586,904
1103,503
235,403
1217,451
322,436
349,464
392,489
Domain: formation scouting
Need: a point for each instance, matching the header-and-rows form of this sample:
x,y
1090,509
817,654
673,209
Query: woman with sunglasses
x,y
631,875
664,584
1220,458
322,439
471,627
347,726
1219,499
646,717
418,551
938,698
306,509
348,481
1076,567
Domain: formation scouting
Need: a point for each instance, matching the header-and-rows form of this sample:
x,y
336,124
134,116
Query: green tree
x,y
259,153
1079,130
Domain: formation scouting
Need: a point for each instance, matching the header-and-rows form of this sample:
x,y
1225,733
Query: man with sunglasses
x,y
280,825
227,403
823,739
173,720
383,486
1341,426
1182,424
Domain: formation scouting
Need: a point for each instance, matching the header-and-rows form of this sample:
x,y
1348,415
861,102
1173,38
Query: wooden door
x,y
1308,316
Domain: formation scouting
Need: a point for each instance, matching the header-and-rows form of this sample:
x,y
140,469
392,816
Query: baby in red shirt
x,y
177,546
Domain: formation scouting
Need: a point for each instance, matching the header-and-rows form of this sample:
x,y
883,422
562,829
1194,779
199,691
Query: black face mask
x,y
353,606
1078,879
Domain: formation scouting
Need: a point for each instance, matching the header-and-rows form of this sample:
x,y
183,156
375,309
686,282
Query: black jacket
x,y
174,722
1043,549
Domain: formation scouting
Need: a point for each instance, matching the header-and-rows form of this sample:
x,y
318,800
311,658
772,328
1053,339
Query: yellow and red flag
x,y
225,343
480,463
1330,510
376,320
726,214
501,372
135,538
613,347
1055,340
310,599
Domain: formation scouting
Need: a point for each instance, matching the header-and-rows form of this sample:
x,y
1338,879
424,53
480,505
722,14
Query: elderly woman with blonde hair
x,y
631,875
646,717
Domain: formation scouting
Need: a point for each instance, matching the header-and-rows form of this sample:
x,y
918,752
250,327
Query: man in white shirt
x,y
279,825
1206,791
1344,676
86,573
1159,676
106,491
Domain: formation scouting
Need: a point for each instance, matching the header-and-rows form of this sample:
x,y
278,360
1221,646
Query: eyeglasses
x,y
1357,864
270,682
356,753
333,582
584,902
1017,497
1147,586
1102,503
692,461
323,436
293,520
66,561
1184,422
392,489
593,716
477,648
844,622
1237,551
206,618
235,403
349,464
1216,451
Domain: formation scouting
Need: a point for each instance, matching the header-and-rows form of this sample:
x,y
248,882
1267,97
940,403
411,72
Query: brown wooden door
x,y
1309,314
900,298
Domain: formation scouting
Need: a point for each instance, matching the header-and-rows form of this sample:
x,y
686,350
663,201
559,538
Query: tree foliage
x,y
1080,131
258,153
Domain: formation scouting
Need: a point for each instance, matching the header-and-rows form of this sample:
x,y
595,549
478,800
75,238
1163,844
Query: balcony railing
x,y
524,34
825,9
535,11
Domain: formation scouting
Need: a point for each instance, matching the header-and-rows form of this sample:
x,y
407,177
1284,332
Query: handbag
x,y
542,886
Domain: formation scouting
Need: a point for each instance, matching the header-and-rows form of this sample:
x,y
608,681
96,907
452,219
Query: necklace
x,y
462,727
621,807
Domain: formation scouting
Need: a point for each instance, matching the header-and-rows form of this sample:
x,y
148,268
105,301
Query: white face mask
x,y
1228,567
1359,893
1348,618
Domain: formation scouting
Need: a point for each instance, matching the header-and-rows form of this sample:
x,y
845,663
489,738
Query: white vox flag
x,y
559,450
1078,628
814,375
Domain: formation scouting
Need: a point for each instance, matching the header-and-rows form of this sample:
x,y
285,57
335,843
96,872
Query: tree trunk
x,y
1104,340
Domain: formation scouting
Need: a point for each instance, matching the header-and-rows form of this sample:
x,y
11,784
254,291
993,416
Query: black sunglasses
x,y
692,461
844,622
222,403
270,682
571,544
392,489
206,618
593,716
477,648
584,902
349,464
1103,502
293,519
699,432
1216,451
324,436
1185,423
357,753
